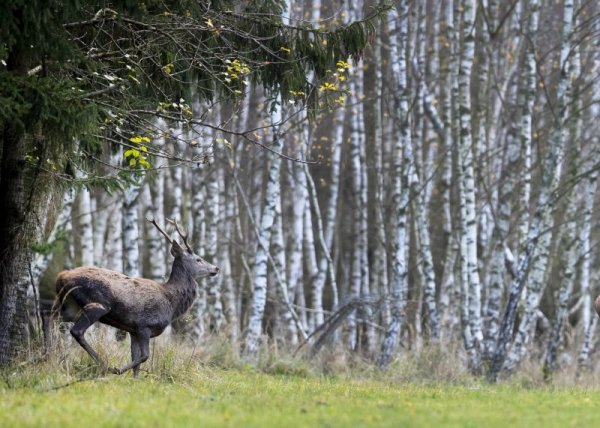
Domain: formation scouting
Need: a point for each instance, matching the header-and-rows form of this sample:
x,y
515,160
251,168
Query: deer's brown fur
x,y
139,306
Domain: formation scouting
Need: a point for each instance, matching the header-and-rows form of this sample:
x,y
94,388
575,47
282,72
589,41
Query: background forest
x,y
443,194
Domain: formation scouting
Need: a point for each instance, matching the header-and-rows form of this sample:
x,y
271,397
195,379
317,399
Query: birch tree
x,y
398,27
450,78
526,123
131,231
586,236
259,280
357,152
86,227
466,178
329,224
550,176
210,243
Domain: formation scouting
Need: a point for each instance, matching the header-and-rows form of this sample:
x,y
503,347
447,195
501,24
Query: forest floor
x,y
209,386
245,397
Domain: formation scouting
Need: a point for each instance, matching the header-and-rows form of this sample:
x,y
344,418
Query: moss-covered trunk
x,y
13,238
17,194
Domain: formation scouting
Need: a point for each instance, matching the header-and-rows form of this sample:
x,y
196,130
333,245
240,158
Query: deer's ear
x,y
176,249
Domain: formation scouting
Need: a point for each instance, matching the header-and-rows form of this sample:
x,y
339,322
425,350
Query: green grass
x,y
209,386
244,397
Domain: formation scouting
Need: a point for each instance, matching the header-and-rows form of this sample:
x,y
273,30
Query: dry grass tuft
x,y
175,361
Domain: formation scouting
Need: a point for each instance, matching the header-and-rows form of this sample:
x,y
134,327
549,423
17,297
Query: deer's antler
x,y
153,221
184,236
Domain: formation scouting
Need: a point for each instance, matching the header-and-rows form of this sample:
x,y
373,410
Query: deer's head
x,y
191,262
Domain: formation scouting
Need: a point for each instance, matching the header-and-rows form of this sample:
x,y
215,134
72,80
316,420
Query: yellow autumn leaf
x,y
327,86
168,68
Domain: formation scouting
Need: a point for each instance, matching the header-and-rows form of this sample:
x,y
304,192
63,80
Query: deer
x,y
139,306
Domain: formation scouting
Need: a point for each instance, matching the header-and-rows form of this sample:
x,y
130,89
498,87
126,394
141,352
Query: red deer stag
x,y
139,306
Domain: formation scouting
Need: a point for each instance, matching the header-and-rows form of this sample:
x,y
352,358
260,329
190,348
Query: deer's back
x,y
130,300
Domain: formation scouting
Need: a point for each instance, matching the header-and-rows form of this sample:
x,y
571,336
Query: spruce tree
x,y
78,77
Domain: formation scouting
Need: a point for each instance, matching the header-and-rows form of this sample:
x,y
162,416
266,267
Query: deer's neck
x,y
181,289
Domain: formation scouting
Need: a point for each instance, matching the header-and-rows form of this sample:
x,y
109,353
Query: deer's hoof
x,y
115,370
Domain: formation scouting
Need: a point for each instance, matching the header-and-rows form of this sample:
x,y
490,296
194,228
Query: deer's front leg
x,y
136,352
140,351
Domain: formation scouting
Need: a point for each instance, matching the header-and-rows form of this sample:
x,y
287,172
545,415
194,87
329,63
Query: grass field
x,y
180,387
246,398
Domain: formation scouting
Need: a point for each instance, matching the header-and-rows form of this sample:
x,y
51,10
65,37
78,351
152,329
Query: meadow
x,y
184,388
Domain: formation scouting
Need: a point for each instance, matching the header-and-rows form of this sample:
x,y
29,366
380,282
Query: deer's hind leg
x,y
90,313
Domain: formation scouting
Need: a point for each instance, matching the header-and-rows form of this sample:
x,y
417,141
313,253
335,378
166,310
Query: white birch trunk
x,y
310,259
571,250
535,287
467,185
448,307
397,21
86,232
319,318
131,231
199,307
420,194
467,332
429,294
588,318
259,282
155,208
157,245
357,249
536,281
379,274
550,175
526,124
496,274
40,261
176,184
114,240
329,222
230,299
285,319
101,214
114,235
295,265
210,244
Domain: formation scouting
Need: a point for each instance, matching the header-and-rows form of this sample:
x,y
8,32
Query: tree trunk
x,y
550,176
131,232
397,21
448,306
15,237
526,123
329,221
210,244
467,185
86,228
259,295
